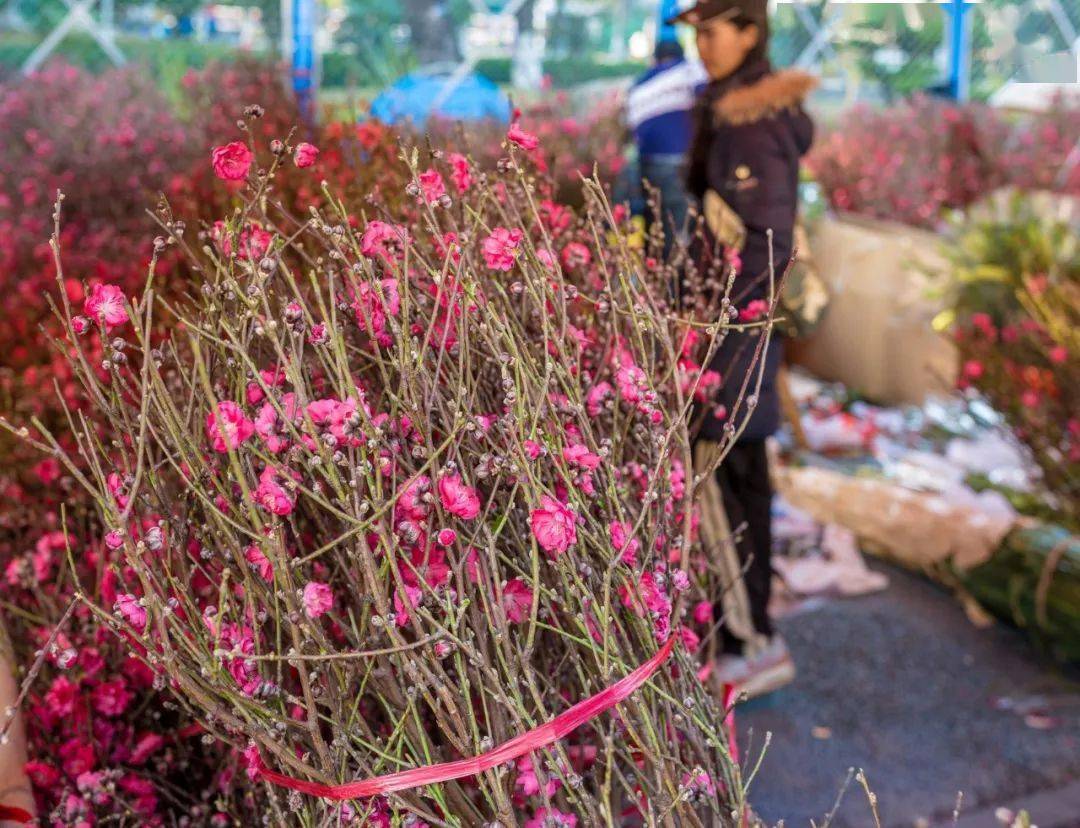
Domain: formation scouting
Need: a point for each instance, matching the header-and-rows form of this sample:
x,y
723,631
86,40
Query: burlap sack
x,y
877,337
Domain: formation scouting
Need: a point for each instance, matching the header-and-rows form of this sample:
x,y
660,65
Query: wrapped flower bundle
x,y
400,488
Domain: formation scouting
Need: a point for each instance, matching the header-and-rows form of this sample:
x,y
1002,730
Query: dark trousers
x,y
747,493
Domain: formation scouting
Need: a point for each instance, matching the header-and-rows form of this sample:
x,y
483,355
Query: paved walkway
x,y
903,685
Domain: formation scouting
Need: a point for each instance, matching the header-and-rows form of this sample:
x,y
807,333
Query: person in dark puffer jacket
x,y
750,133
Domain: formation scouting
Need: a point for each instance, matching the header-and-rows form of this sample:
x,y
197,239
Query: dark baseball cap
x,y
704,11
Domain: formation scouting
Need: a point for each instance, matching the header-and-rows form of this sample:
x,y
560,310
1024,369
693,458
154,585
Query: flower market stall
x,y
894,181
352,483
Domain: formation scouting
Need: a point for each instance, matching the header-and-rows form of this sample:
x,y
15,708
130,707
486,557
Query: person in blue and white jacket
x,y
658,111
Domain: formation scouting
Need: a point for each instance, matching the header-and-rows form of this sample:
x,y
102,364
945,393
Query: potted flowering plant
x,y
1013,288
405,496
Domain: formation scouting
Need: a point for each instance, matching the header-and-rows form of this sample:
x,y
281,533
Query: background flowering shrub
x,y
915,161
403,482
1015,289
112,143
105,742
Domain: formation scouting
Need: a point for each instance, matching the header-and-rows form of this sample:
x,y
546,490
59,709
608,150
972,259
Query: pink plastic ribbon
x,y
538,737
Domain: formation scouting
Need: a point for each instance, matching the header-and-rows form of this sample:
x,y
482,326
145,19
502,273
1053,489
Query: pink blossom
x,y
259,562
547,259
690,639
111,698
648,596
253,240
625,545
458,498
106,304
80,324
533,449
703,613
432,186
372,306
525,140
553,526
410,505
734,260
708,383
984,323
131,611
271,495
114,539
446,537
594,399
384,240
447,246
405,602
305,154
318,599
575,254
551,818
702,782
472,565
557,216
579,455
269,426
61,696
528,782
500,248
77,757
232,161
427,567
755,309
145,747
252,761
228,427
459,171
517,600
1058,354
631,382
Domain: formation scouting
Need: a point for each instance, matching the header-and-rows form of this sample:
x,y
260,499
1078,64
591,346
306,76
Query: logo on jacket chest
x,y
744,178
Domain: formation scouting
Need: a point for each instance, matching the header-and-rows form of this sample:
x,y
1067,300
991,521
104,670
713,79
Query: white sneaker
x,y
767,670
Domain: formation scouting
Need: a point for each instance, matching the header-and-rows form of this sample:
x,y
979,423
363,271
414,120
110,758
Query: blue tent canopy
x,y
412,97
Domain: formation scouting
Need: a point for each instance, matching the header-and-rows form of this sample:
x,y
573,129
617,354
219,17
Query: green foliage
x,y
890,28
563,72
167,60
1014,306
994,257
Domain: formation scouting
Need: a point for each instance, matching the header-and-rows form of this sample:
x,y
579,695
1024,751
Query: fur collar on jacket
x,y
763,97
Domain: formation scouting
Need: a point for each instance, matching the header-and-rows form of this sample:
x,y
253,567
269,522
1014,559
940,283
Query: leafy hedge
x,y
563,71
168,60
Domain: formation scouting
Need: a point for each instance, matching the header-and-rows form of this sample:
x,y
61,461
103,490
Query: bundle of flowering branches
x,y
398,489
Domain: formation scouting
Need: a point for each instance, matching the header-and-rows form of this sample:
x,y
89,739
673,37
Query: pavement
x,y
901,684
